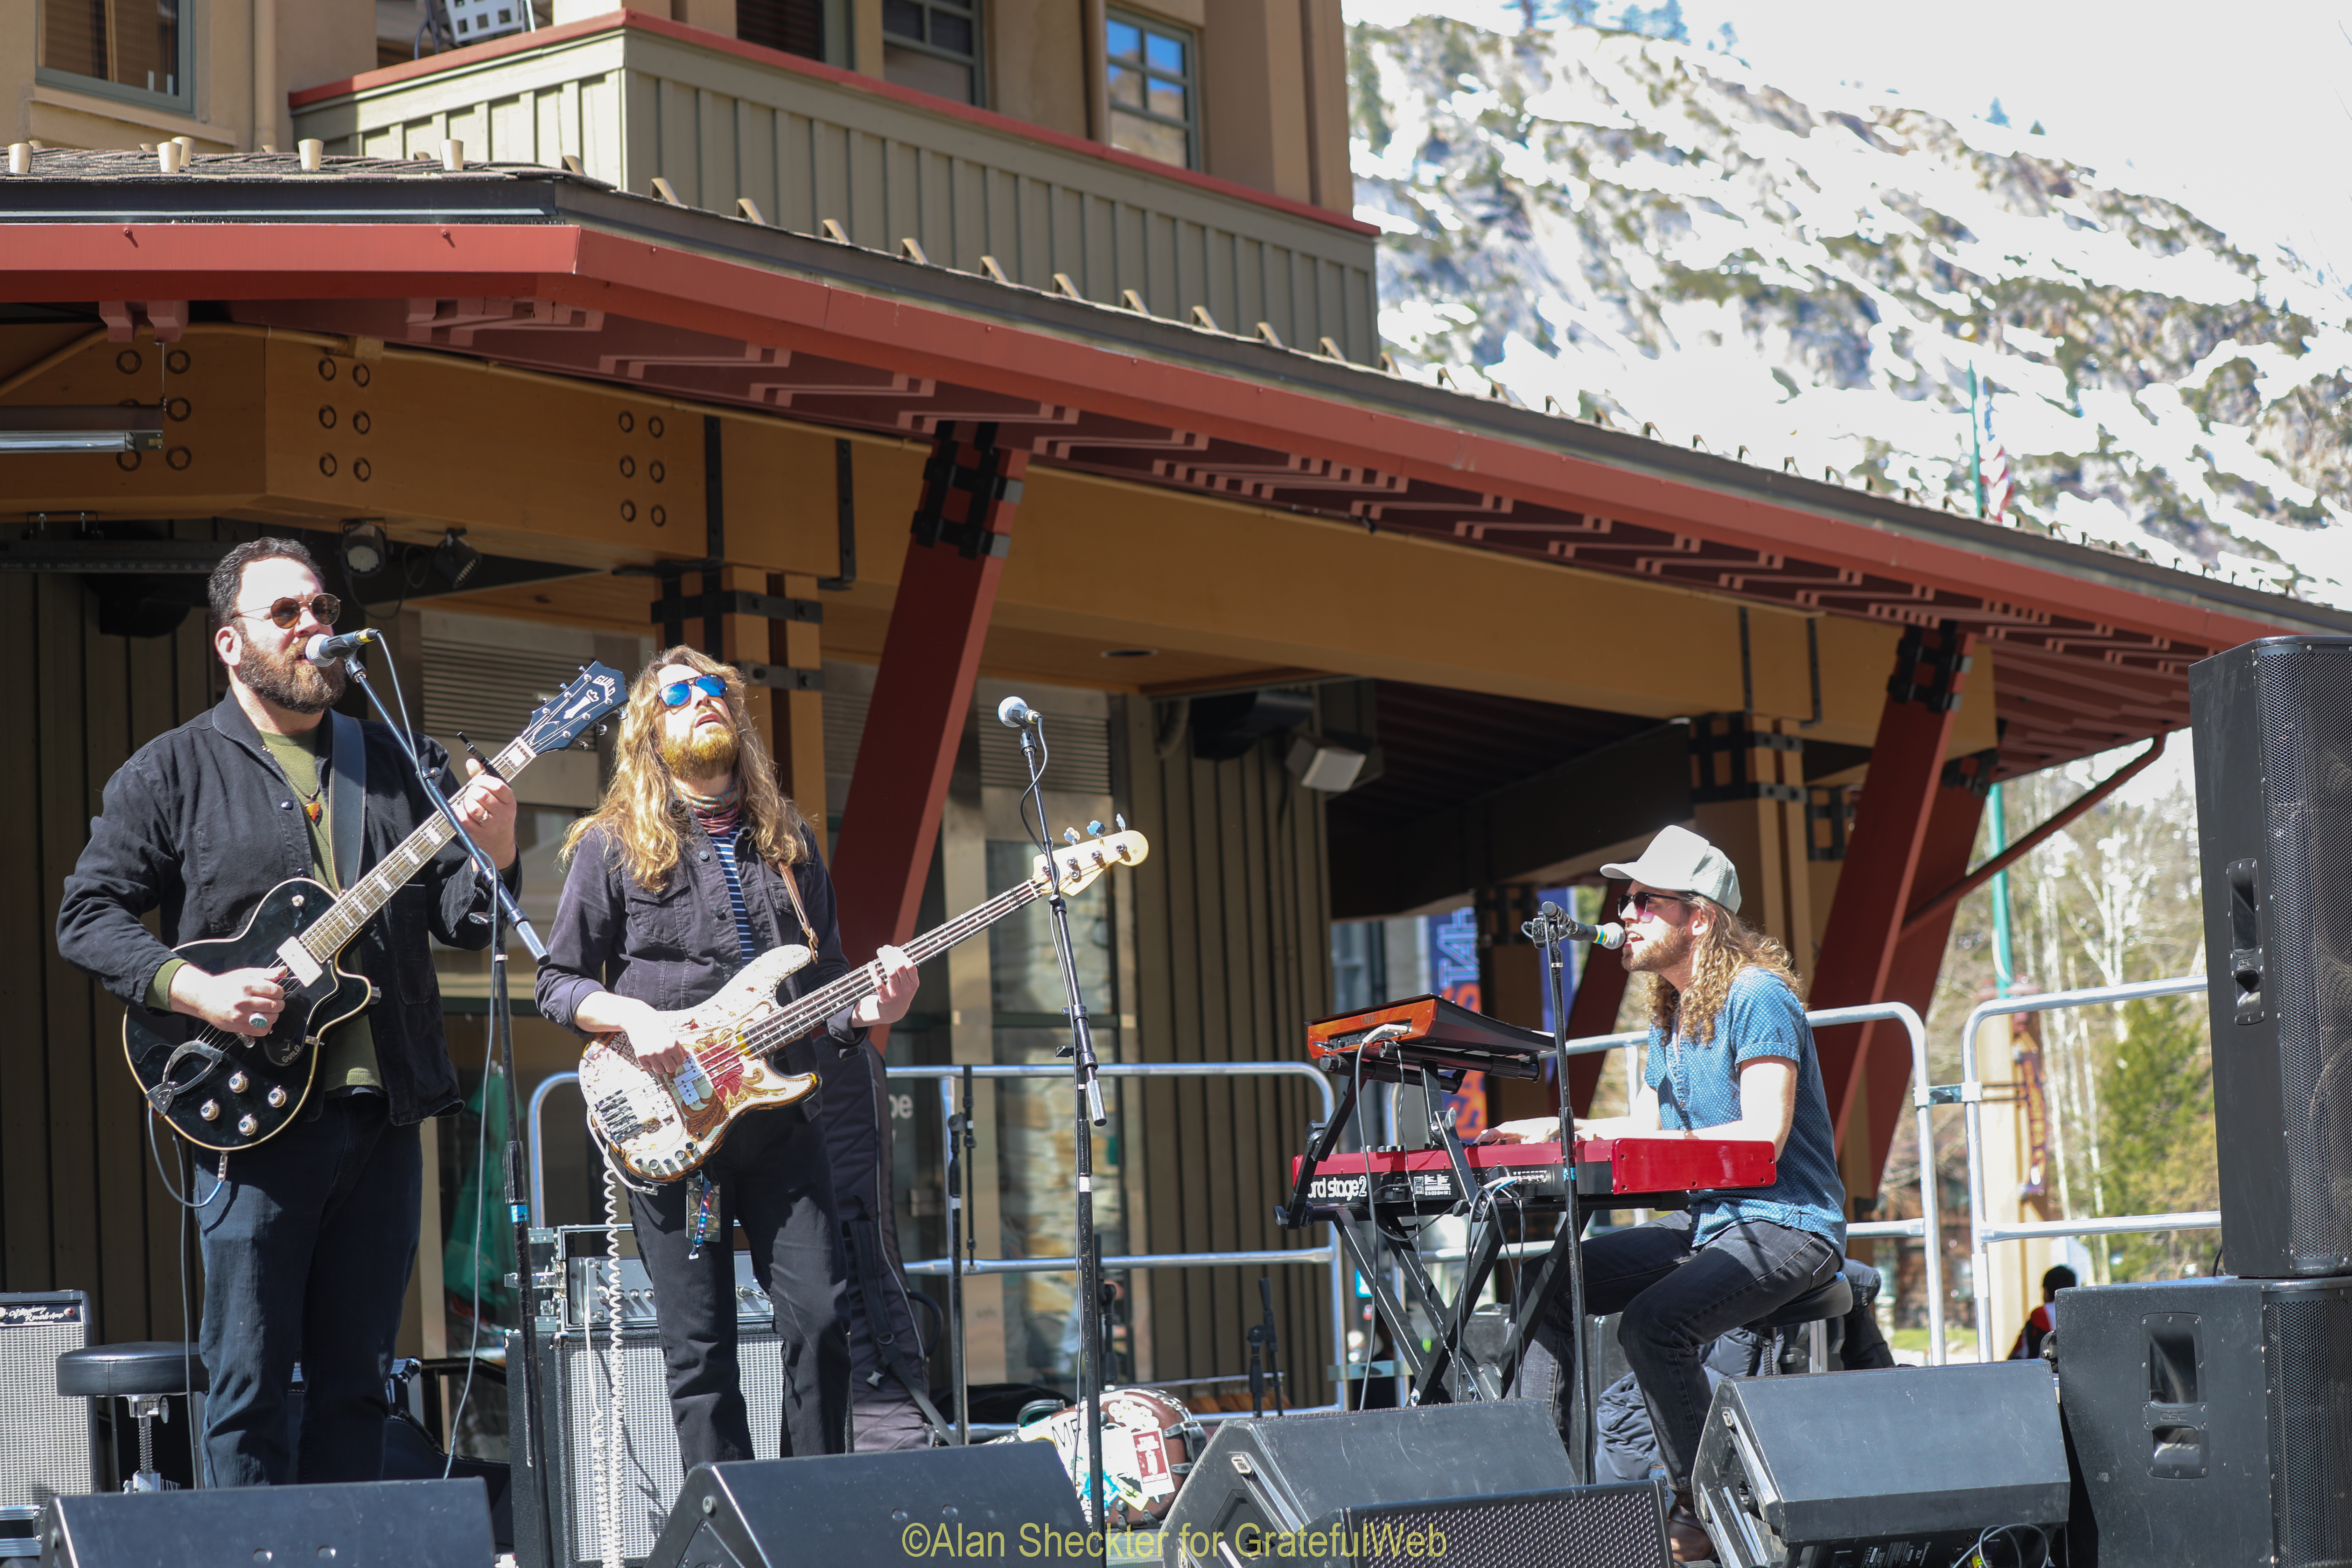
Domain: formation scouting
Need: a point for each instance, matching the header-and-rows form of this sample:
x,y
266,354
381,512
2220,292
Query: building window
x,y
795,26
933,46
1154,100
126,47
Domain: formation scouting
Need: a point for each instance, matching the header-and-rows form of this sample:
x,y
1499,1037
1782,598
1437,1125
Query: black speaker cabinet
x,y
2210,1422
1486,1484
998,1502
2273,748
383,1524
1907,1465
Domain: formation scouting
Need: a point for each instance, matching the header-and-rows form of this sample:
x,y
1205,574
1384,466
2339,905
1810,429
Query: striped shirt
x,y
725,829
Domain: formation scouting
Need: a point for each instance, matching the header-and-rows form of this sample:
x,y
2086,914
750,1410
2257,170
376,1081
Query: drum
x,y
1149,1442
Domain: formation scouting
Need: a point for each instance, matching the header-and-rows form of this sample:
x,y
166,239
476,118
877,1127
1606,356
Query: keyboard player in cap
x,y
1730,1055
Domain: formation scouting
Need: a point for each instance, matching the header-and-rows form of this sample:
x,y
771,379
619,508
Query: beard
x,y
285,679
1649,957
709,749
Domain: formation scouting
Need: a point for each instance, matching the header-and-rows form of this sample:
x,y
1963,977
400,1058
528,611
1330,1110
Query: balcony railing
x,y
636,97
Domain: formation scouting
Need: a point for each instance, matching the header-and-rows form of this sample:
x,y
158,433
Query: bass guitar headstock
x,y
588,697
1076,866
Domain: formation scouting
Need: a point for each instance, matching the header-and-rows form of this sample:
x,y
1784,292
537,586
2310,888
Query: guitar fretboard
x,y
333,930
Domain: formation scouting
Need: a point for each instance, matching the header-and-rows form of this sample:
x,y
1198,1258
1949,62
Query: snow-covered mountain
x,y
1648,232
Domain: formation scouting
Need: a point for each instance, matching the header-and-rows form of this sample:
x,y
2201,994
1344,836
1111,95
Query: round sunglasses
x,y
678,693
286,614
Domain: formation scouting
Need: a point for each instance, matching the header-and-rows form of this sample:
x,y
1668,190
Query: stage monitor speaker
x,y
1904,1466
579,1374
2210,1422
1492,1482
998,1502
2274,750
49,1441
380,1524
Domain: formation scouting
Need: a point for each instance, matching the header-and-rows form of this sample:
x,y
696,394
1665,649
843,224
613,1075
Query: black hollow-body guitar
x,y
228,1091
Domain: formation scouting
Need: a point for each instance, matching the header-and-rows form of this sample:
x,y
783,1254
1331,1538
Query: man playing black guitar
x,y
307,1237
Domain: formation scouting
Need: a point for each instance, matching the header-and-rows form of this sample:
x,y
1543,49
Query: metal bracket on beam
x,y
782,677
1956,1094
738,602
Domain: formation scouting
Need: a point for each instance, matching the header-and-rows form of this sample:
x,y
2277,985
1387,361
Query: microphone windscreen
x,y
1013,712
1612,935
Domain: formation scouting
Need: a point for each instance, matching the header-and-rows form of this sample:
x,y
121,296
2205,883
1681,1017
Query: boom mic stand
x,y
1089,1115
502,904
1551,930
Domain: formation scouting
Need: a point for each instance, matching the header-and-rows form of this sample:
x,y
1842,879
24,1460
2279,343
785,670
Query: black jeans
x,y
307,1253
772,1178
1675,1303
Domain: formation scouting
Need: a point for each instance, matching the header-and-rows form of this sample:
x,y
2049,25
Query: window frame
x,y
977,59
184,102
1146,23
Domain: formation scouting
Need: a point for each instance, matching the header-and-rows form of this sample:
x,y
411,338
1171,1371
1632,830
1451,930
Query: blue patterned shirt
x,y
1698,1087
725,844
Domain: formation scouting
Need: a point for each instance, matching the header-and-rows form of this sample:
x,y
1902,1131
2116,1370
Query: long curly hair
x,y
1727,946
642,812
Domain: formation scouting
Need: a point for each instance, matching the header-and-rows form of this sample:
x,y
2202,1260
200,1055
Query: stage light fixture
x,y
364,550
93,427
455,559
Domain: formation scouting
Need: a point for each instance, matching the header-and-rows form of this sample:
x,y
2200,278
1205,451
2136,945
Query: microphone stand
x,y
1549,930
503,904
1089,1114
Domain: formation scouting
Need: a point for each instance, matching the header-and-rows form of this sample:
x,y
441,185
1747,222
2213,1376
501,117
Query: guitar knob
x,y
209,1110
277,1099
246,1126
237,1081
296,901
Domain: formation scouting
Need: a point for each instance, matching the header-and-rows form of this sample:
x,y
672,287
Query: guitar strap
x,y
346,795
792,888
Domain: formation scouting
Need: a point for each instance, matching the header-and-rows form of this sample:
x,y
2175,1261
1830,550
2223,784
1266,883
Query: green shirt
x,y
347,1053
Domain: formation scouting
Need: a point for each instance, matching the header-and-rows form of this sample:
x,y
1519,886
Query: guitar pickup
x,y
299,962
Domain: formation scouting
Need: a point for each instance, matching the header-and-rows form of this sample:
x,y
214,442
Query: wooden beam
x,y
922,692
1876,887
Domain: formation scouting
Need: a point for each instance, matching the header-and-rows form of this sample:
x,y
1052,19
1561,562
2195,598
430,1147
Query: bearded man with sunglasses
x,y
309,1236
1730,1055
694,864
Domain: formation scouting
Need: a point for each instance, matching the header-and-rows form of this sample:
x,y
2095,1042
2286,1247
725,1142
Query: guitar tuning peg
x,y
1121,821
1069,836
1094,829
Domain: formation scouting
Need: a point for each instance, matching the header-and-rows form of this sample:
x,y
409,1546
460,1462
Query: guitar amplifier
x,y
579,1374
48,1442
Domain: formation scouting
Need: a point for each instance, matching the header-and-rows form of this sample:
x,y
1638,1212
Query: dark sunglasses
x,y
1641,901
678,693
286,614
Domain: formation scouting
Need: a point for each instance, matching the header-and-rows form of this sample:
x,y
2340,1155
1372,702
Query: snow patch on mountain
x,y
1635,229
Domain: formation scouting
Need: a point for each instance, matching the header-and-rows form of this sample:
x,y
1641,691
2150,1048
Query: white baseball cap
x,y
1680,861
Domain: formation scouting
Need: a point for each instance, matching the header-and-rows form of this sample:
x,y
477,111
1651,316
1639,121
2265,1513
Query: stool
x,y
1812,1311
141,1374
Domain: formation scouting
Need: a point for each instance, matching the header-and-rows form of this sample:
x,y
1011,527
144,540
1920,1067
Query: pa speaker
x,y
378,1524
1487,1484
2273,749
1908,1465
2210,1421
999,1502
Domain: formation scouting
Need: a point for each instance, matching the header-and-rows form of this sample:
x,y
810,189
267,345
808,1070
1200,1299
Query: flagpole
x,y
1976,441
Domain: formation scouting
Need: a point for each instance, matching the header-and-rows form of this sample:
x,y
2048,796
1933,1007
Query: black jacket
x,y
200,824
674,948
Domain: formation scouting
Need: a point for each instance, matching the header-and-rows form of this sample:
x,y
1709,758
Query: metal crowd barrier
x,y
1982,1234
947,1076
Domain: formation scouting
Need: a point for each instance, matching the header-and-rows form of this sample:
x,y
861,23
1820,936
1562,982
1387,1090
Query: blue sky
x,y
2242,112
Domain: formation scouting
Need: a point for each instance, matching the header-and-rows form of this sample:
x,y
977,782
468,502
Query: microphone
x,y
1014,714
1552,924
327,649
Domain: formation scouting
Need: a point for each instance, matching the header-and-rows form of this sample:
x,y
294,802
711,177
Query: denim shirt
x,y
1698,1087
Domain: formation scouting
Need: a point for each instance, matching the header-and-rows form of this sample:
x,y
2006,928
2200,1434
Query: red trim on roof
x,y
518,43
681,287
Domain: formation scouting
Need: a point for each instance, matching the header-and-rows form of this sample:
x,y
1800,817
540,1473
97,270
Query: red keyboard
x,y
1660,1167
1427,1032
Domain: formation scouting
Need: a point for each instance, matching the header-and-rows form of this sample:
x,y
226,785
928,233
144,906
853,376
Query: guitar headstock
x,y
1077,863
596,691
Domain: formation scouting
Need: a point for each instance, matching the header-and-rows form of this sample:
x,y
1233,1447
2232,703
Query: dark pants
x,y
307,1254
1675,1303
771,1178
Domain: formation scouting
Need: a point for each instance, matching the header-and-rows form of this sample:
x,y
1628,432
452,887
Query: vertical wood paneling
x,y
70,1037
24,981
1231,962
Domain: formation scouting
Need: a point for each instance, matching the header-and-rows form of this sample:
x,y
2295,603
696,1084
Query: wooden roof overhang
x,y
537,268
